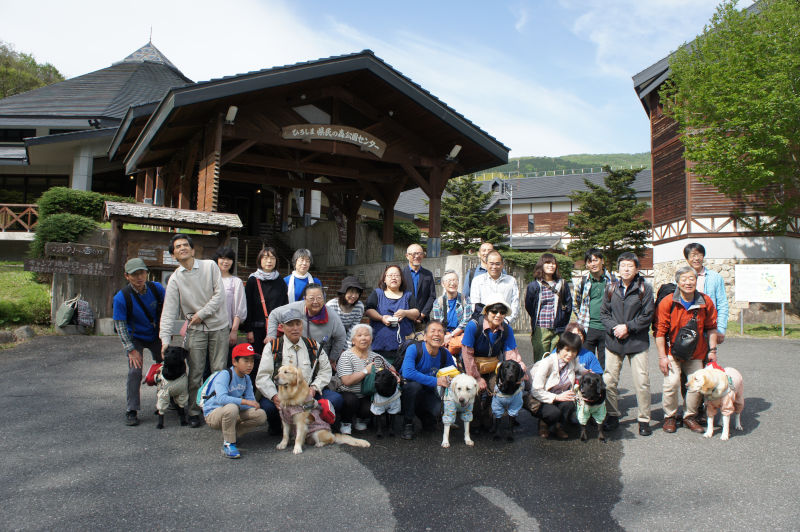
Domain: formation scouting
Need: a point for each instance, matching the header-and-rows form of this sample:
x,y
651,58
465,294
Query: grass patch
x,y
23,301
764,330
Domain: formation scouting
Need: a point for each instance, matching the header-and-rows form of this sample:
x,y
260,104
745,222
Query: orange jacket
x,y
671,316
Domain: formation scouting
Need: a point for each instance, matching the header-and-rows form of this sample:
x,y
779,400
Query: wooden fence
x,y
18,217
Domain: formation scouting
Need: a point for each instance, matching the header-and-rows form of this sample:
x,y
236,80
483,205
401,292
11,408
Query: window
x,y
531,225
16,135
60,131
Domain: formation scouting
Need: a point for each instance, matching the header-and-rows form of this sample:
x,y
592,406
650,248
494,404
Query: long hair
x,y
538,270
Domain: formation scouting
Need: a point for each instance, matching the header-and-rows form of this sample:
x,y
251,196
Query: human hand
x,y
720,337
276,401
196,320
400,313
443,381
368,367
482,384
135,358
163,349
569,395
712,356
249,402
663,365
233,338
250,337
385,320
312,391
620,331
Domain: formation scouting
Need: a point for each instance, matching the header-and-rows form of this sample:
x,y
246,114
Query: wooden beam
x,y
235,152
415,176
264,161
208,177
274,180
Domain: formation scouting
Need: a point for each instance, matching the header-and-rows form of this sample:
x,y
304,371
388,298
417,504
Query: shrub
x,y
22,301
66,200
528,262
60,228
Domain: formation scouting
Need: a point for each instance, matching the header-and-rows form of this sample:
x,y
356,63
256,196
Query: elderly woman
x,y
347,304
265,291
354,365
671,315
484,346
453,310
553,379
234,294
297,281
549,304
391,311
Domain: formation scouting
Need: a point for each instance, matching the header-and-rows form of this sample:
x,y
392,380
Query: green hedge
x,y
22,300
66,200
60,228
528,262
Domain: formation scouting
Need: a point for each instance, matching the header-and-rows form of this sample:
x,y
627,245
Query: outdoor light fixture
x,y
231,116
258,191
454,152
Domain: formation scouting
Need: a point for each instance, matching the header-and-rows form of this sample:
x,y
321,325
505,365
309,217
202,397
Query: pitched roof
x,y
143,76
167,216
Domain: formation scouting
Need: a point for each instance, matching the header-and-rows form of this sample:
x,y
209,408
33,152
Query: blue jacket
x,y
715,289
424,372
229,391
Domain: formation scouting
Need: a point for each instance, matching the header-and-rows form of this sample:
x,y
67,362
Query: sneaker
x,y
408,431
360,425
611,423
194,422
347,428
644,429
229,450
131,419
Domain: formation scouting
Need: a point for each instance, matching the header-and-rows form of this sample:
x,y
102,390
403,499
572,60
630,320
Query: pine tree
x,y
610,218
465,220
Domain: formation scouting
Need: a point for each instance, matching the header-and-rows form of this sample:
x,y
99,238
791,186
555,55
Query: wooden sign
x,y
61,266
309,132
61,249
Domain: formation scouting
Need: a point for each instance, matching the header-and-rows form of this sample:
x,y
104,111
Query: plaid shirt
x,y
547,307
582,298
463,311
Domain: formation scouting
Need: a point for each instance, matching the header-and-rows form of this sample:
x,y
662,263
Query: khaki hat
x,y
134,265
495,299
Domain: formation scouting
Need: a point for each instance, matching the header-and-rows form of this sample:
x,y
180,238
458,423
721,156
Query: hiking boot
x,y
611,423
544,430
670,425
560,433
195,422
229,450
692,424
131,419
346,428
408,431
644,429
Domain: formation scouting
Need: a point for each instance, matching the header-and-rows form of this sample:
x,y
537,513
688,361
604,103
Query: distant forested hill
x,y
525,165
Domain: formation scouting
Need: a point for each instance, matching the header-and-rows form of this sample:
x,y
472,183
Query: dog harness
x,y
453,407
381,404
502,403
313,408
584,411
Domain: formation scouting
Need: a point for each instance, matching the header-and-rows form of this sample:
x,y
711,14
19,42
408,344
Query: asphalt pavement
x,y
69,462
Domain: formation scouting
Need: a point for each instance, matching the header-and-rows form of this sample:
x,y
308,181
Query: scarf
x,y
321,318
261,275
308,277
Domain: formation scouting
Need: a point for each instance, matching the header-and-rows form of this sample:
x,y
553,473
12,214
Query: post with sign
x,y
763,283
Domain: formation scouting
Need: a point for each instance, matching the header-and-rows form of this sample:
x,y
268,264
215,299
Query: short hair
x,y
179,236
263,253
313,286
628,255
432,322
683,270
300,253
570,340
495,252
224,252
382,281
408,249
538,270
450,272
694,246
575,327
357,327
593,252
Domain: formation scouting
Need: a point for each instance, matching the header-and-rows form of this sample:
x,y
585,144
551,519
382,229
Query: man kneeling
x,y
229,403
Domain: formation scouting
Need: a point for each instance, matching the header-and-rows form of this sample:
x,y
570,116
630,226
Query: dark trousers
x,y
274,417
596,343
354,406
419,400
134,381
558,412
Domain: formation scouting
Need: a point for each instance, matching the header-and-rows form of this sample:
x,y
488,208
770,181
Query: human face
x,y
495,319
695,260
362,339
268,262
244,365
627,270
687,284
293,330
393,278
595,265
314,301
567,354
181,250
414,254
224,264
434,335
484,250
137,279
302,265
549,270
450,283
352,295
494,265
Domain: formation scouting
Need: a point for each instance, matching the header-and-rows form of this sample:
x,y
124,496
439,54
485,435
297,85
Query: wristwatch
x,y
365,371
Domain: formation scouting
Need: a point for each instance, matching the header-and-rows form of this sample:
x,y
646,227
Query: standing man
x,y
627,314
421,281
137,310
196,291
589,300
711,284
495,284
483,267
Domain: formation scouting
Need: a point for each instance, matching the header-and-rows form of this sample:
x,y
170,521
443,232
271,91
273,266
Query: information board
x,y
763,283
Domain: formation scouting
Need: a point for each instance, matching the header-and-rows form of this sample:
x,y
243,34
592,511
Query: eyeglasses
x,y
315,299
416,254
393,276
497,311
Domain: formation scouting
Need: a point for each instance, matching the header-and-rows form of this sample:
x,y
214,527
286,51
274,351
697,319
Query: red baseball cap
x,y
243,350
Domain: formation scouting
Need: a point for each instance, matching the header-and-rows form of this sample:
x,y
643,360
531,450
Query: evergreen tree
x,y
465,220
610,218
20,72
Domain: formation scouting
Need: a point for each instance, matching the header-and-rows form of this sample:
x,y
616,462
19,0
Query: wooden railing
x,y
18,217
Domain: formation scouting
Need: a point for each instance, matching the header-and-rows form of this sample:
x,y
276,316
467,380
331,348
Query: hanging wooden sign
x,y
309,132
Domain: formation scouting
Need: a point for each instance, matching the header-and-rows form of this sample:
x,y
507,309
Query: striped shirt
x,y
350,363
349,319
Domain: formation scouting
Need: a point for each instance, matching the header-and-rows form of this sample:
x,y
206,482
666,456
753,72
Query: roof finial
x,y
151,36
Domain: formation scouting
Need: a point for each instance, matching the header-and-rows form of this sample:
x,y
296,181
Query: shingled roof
x,y
144,76
166,216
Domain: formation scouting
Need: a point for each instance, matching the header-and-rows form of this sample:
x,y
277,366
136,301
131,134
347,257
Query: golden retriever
x,y
722,390
304,415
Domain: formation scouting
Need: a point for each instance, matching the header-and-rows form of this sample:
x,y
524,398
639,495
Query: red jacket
x,y
671,316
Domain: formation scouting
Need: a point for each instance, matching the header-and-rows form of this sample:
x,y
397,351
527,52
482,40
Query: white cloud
x,y
520,13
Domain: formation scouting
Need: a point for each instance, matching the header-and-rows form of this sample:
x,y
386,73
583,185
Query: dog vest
x,y
313,408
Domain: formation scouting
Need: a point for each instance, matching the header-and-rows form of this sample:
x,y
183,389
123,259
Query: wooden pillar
x,y
115,258
147,185
350,205
185,192
387,251
140,184
159,187
438,180
208,177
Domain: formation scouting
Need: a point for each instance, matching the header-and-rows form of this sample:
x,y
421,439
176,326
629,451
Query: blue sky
x,y
545,77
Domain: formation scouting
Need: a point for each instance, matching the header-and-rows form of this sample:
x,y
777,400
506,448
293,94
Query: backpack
x,y
277,355
128,293
206,391
401,354
666,289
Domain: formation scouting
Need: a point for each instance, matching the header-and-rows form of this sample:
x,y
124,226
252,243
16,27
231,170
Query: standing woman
x,y
549,304
234,294
391,310
297,280
347,305
266,282
454,310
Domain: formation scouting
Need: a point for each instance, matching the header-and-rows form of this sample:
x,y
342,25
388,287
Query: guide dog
x,y
722,390
459,397
507,399
172,382
303,413
385,402
591,399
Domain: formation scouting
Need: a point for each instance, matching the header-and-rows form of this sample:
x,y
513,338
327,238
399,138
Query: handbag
x,y
454,345
685,342
486,364
368,382
150,378
66,312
